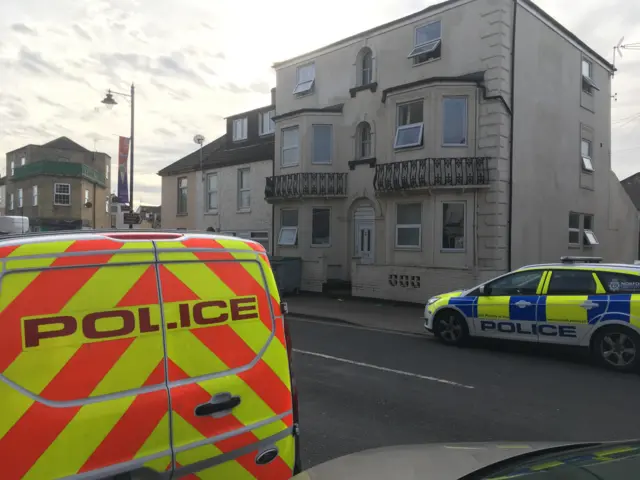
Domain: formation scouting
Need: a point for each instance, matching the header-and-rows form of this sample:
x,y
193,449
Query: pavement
x,y
402,317
362,388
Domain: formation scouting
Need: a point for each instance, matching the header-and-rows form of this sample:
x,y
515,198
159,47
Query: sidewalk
x,y
364,312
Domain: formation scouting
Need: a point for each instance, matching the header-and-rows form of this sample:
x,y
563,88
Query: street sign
x,y
132,219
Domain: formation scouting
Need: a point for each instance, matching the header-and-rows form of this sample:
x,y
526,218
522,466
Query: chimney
x,y
273,96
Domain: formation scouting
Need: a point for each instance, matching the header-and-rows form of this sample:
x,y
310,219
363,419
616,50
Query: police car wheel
x,y
618,348
450,327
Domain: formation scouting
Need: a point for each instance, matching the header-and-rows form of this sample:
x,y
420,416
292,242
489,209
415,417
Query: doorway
x,y
364,234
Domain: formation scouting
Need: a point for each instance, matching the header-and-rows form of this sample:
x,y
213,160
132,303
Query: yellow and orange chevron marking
x,y
40,441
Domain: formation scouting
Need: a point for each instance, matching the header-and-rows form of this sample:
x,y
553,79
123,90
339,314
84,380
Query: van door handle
x,y
588,305
219,405
522,304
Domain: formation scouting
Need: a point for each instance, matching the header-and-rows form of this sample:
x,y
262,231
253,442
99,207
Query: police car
x,y
580,302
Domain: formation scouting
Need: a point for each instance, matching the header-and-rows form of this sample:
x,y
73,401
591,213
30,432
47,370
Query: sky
x,y
194,62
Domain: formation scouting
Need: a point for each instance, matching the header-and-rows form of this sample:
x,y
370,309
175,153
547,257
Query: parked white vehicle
x,y
13,224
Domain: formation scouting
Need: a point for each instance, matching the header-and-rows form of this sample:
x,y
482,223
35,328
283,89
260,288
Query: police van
x,y
579,302
143,355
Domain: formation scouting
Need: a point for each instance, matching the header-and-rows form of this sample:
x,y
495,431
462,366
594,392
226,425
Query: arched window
x,y
365,66
364,144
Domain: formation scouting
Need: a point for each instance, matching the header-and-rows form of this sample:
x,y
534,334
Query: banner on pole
x,y
123,184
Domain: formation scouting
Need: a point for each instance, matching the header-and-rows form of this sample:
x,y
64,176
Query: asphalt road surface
x,y
361,388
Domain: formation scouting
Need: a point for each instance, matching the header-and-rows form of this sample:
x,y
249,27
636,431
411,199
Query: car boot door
x,y
230,389
83,386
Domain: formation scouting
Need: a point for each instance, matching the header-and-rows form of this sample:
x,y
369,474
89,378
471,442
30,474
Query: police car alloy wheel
x,y
450,327
618,348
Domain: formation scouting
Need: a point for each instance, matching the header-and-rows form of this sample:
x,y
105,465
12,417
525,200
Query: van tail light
x,y
297,467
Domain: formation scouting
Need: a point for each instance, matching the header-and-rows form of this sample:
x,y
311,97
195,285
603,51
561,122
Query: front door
x,y
508,308
364,234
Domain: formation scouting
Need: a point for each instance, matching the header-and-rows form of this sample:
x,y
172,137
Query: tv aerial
x,y
617,49
199,139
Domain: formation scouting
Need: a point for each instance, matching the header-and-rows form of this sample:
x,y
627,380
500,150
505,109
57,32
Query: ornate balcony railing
x,y
299,185
431,172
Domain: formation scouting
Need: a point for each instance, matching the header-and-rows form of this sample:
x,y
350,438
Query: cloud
x,y
164,132
81,33
260,87
22,28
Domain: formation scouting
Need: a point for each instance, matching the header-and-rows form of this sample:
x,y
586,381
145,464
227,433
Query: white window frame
x,y
589,238
107,171
20,198
23,161
289,228
328,244
400,226
271,124
464,120
106,206
587,159
328,161
240,129
11,199
409,126
588,84
64,194
34,195
305,83
13,168
296,147
366,72
241,189
574,229
464,227
186,202
420,48
86,196
360,140
209,192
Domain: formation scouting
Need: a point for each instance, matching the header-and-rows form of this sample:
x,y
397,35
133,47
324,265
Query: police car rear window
x,y
571,282
615,282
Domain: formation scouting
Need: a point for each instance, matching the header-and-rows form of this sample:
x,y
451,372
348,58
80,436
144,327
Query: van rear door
x,y
230,389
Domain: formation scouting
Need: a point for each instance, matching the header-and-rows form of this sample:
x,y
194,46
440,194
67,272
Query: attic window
x,y
427,43
240,129
588,85
305,79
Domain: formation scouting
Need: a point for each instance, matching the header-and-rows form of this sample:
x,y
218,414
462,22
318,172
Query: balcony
x,y
431,173
305,185
59,169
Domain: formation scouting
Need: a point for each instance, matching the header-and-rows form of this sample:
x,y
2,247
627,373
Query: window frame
x,y
20,198
107,207
399,226
321,245
490,285
209,192
186,196
587,160
465,120
361,142
420,49
238,135
270,114
554,271
589,238
409,126
588,84
86,197
67,195
305,87
34,196
444,249
314,161
13,167
574,230
288,227
11,201
241,171
363,67
607,284
253,235
283,148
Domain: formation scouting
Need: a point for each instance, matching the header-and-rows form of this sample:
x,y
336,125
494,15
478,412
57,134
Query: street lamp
x,y
110,102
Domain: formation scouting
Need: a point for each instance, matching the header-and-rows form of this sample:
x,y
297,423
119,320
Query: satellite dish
x,y
199,139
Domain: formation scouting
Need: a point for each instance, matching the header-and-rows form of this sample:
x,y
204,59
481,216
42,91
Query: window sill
x,y
455,145
431,60
287,246
407,149
401,248
371,161
373,86
321,163
574,246
182,214
304,94
60,205
243,210
290,166
453,250
587,172
211,212
324,245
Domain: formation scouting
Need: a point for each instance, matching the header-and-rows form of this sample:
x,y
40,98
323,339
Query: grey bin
x,y
288,273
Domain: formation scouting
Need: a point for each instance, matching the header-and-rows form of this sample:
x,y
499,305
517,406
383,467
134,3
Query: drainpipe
x,y
512,80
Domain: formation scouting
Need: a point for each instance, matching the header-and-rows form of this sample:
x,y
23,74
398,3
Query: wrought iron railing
x,y
431,172
297,185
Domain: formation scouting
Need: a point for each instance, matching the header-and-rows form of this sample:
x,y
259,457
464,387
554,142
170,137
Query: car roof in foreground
x,y
589,266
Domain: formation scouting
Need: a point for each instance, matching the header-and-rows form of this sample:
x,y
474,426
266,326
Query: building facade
x,y
444,148
224,190
59,186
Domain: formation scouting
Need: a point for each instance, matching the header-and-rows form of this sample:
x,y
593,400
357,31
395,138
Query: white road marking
x,y
383,369
360,327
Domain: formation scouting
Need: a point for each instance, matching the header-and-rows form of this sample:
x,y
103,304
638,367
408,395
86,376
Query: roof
x,y
266,108
632,186
439,6
216,156
329,109
60,143
192,161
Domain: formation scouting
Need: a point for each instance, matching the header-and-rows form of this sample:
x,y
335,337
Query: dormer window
x,y
427,43
240,129
267,126
305,79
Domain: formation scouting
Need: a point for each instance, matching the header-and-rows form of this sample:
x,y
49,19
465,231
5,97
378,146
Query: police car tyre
x,y
618,348
450,327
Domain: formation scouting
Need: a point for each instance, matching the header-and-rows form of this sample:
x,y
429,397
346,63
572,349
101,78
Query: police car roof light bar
x,y
570,259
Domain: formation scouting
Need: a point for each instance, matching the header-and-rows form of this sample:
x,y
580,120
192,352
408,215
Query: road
x,y
362,388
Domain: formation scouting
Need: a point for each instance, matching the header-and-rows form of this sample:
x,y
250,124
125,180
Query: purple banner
x,y
123,184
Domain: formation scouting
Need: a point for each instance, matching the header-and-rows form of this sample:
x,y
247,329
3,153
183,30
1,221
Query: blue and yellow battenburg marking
x,y
576,461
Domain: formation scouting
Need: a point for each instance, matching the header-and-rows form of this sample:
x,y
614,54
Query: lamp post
x,y
109,101
199,139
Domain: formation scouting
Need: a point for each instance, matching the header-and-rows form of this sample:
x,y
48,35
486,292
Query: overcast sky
x,y
195,62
